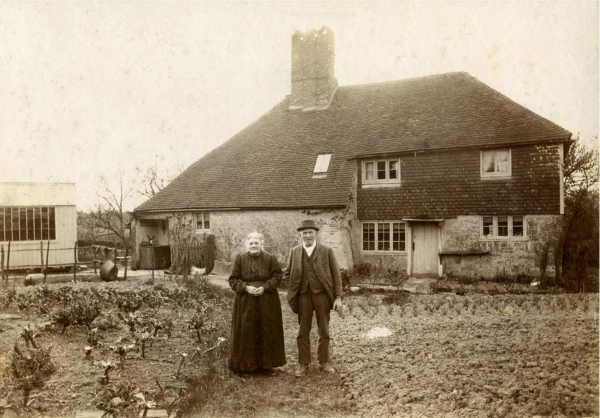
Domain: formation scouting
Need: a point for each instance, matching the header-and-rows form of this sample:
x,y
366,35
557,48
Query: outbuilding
x,y
31,213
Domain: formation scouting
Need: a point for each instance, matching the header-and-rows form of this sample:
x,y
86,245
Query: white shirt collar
x,y
309,250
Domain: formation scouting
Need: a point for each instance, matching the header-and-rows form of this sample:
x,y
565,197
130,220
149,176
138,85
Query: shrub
x,y
29,369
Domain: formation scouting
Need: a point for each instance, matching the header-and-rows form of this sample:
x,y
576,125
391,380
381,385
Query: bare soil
x,y
445,355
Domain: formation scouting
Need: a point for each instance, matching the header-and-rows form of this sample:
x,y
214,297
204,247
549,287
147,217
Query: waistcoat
x,y
309,277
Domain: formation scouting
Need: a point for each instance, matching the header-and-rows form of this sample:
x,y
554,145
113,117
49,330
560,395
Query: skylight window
x,y
322,164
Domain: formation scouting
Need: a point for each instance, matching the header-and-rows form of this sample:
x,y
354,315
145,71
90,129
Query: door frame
x,y
409,230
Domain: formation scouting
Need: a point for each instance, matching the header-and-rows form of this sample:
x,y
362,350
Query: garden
x,y
135,347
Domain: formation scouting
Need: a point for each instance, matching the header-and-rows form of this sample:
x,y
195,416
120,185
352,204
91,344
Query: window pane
x,y
23,223
381,170
488,226
44,223
502,226
383,237
369,237
1,224
488,162
399,237
15,224
8,224
393,170
369,171
517,226
199,223
38,223
30,227
52,224
206,220
322,163
502,162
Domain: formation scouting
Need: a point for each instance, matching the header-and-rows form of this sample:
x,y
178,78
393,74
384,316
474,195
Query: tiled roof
x,y
269,164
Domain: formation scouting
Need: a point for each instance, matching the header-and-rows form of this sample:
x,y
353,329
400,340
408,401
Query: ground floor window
x,y
203,220
503,227
27,223
384,236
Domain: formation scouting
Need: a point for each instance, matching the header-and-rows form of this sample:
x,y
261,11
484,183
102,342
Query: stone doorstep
x,y
94,413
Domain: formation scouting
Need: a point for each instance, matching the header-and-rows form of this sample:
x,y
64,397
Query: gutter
x,y
194,209
568,141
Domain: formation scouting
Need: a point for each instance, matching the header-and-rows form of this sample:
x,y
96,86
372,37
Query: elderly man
x,y
314,284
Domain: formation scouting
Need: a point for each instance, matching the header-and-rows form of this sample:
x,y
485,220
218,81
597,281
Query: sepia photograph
x,y
299,209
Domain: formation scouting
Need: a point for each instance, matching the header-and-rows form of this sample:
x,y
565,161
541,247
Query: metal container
x,y
108,271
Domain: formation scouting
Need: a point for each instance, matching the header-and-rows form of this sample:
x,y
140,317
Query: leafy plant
x,y
28,334
29,369
122,347
117,399
107,365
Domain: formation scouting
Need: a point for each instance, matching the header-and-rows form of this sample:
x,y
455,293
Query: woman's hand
x,y
259,291
250,289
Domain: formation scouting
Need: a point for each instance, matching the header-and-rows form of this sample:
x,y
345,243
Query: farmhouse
x,y
31,213
430,175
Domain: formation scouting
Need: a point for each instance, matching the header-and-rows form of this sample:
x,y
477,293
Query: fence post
x,y
8,264
47,255
126,254
2,262
153,261
75,262
41,257
115,261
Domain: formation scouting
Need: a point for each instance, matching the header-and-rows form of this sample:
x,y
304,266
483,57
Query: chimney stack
x,y
313,69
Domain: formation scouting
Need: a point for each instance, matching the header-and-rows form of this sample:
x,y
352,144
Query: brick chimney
x,y
313,69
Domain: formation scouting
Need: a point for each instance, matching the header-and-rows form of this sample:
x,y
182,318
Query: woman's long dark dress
x,y
257,326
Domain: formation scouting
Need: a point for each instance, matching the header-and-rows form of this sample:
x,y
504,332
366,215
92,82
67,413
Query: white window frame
x,y
494,236
496,174
381,182
28,215
201,219
376,242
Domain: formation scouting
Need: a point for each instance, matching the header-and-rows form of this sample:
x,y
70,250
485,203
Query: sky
x,y
98,91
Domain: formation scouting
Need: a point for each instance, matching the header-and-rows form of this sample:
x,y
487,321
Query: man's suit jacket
x,y
326,270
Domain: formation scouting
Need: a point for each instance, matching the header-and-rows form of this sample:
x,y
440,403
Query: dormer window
x,y
495,163
385,172
321,165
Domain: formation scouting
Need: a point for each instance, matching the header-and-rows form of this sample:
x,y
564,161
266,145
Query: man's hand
x,y
337,304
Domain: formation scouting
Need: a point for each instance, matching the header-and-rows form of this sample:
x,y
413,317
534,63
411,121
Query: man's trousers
x,y
321,305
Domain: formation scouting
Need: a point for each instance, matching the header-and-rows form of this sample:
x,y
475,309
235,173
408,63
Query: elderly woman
x,y
257,328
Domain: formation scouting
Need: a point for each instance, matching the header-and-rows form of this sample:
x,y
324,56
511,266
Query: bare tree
x,y
155,180
110,214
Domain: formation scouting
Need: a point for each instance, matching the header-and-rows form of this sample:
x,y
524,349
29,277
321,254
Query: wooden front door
x,y
425,248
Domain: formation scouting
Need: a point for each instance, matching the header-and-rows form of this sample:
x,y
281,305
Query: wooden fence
x,y
88,254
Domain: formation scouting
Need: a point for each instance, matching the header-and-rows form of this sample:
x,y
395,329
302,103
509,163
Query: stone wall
x,y
507,257
278,226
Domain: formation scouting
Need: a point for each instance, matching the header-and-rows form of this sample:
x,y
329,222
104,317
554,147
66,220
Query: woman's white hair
x,y
256,234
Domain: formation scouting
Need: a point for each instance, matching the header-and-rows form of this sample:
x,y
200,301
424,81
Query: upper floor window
x,y
495,163
31,223
503,227
321,165
203,220
381,171
384,236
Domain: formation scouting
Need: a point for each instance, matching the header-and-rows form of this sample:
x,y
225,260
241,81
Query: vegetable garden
x,y
128,347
